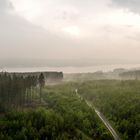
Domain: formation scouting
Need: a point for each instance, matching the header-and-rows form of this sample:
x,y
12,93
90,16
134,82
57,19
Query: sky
x,y
66,32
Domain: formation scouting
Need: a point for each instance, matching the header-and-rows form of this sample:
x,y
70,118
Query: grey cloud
x,y
5,5
21,39
132,5
69,15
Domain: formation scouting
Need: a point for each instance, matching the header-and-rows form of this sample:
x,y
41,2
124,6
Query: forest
x,y
119,101
16,91
31,110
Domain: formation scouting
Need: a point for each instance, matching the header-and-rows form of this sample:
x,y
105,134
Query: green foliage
x,y
75,112
37,124
64,115
119,101
15,90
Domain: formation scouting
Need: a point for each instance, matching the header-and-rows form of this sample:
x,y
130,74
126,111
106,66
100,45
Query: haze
x,y
69,32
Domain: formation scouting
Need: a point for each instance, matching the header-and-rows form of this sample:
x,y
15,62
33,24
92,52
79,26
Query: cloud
x,y
132,5
20,38
5,5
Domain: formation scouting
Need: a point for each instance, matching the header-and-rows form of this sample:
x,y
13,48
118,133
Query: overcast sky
x,y
70,29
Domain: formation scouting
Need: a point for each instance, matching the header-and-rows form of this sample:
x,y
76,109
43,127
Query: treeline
x,y
49,76
135,74
15,90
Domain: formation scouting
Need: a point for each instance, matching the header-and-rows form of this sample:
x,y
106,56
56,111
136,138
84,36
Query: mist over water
x,y
70,69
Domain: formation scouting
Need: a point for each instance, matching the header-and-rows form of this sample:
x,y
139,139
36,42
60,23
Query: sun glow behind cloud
x,y
74,31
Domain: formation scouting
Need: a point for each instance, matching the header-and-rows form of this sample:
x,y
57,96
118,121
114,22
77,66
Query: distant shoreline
x,y
70,69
